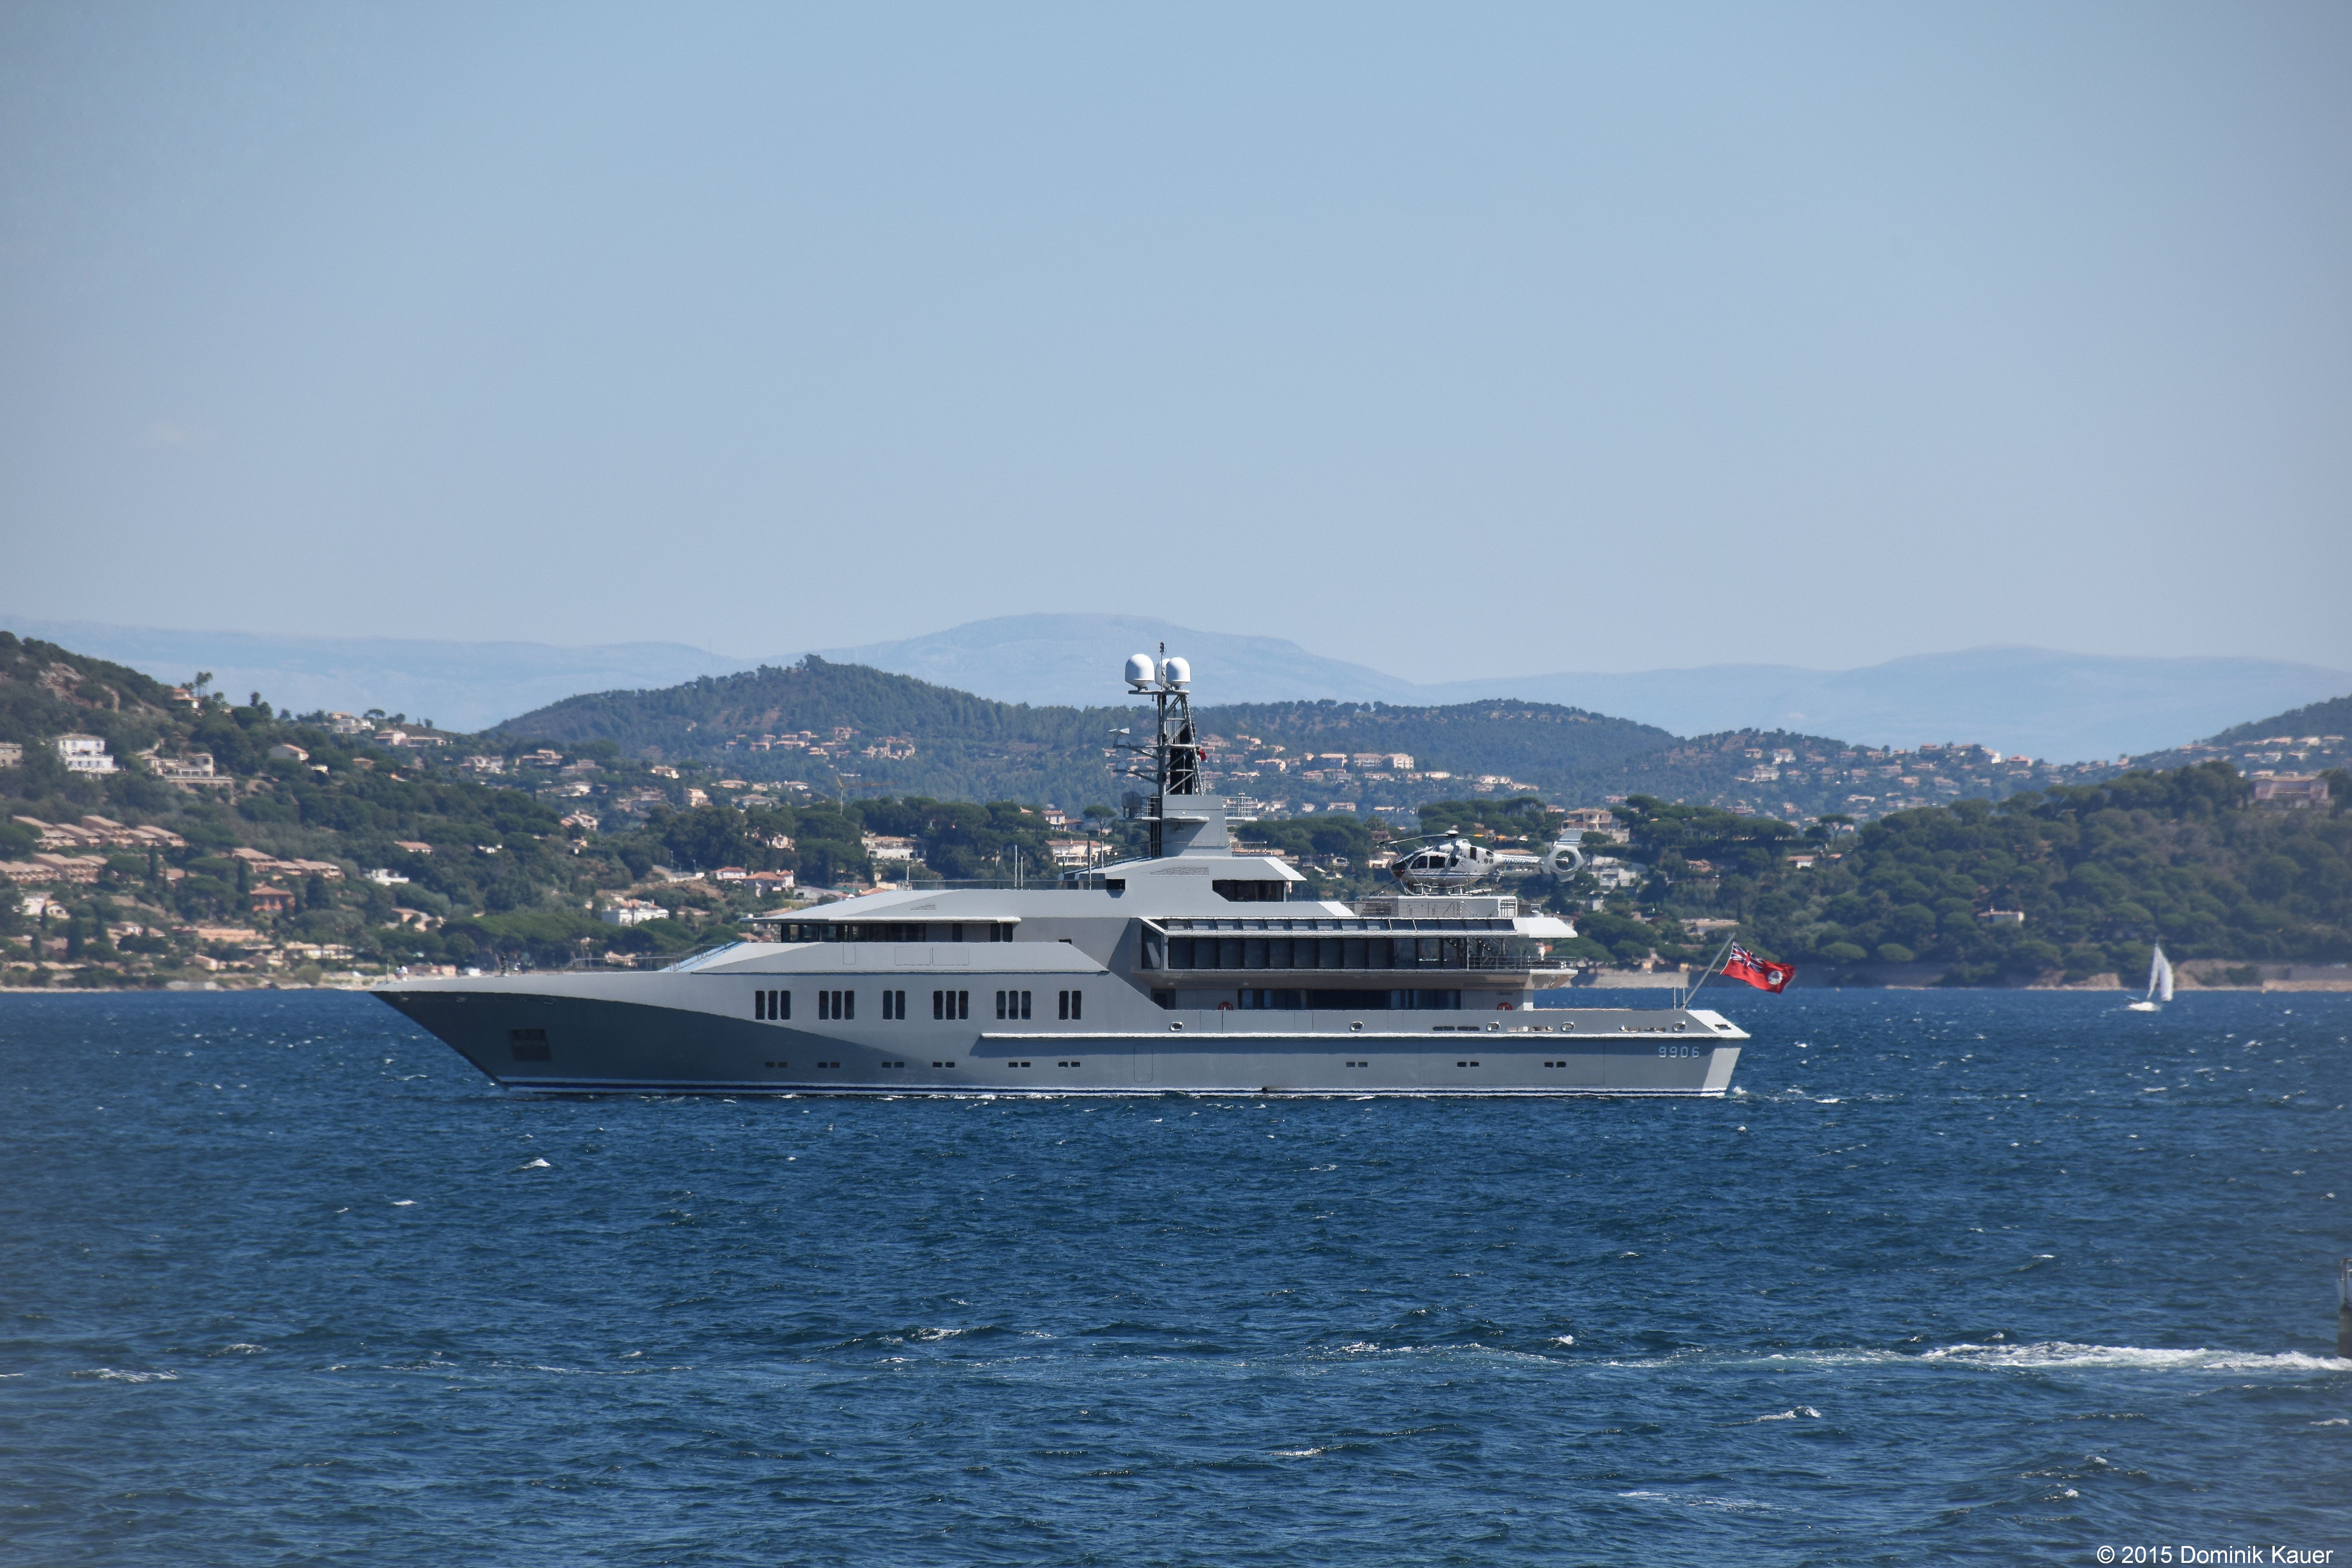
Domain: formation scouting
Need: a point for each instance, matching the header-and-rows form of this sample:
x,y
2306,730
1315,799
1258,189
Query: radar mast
x,y
1172,759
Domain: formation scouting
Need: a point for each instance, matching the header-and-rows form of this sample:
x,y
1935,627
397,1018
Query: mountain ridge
x,y
2043,702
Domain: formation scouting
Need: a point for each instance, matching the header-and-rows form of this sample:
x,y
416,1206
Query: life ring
x,y
1502,1006
1224,1007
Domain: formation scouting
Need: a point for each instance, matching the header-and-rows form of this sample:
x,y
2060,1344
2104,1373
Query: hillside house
x,y
189,771
1591,820
272,901
2291,792
12,755
632,913
84,754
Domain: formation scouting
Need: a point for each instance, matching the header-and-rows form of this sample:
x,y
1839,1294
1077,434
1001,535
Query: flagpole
x,y
1708,972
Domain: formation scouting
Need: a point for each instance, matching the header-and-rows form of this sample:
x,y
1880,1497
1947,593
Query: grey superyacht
x,y
1194,969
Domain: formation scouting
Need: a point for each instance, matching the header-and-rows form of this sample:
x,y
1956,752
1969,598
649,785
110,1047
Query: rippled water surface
x,y
1995,1277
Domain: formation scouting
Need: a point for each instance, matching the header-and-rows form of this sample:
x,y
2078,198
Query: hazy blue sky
x,y
1450,339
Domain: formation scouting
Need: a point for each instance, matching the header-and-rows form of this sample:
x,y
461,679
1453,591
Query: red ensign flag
x,y
1761,972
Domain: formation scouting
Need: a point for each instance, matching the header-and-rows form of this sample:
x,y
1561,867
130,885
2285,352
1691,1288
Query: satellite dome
x,y
1140,671
1178,673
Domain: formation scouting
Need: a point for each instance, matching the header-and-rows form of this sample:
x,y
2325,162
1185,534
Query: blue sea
x,y
1952,1277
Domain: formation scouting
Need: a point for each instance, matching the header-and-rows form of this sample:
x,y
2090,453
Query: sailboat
x,y
2160,983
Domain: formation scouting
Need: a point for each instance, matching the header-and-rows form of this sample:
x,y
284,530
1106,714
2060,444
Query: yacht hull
x,y
585,1034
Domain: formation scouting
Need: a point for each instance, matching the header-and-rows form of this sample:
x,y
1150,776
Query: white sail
x,y
2159,977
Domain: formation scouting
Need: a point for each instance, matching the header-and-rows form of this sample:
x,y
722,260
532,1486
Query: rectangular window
x,y
938,1004
786,998
1025,1004
999,1004
899,1004
824,1005
759,1006
849,1003
962,1008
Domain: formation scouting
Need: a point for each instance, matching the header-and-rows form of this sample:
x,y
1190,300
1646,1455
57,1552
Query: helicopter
x,y
1443,864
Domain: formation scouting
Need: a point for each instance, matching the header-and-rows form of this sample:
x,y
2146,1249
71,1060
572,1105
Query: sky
x,y
1450,340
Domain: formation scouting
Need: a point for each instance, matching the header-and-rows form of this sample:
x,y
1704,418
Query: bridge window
x,y
950,1004
1072,1003
1013,1004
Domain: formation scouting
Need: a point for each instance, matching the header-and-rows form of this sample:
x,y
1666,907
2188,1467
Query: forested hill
x,y
2071,881
2304,742
906,735
2331,720
46,690
831,724
706,715
846,729
1524,739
